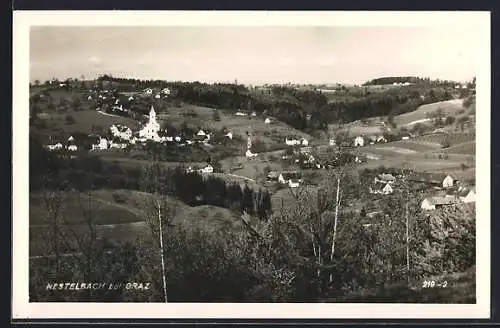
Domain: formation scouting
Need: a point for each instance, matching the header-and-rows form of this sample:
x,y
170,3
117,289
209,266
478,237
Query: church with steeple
x,y
150,130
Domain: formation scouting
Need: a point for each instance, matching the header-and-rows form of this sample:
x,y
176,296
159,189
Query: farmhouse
x,y
267,121
293,183
148,91
166,91
438,179
249,154
285,177
467,195
207,169
121,131
385,178
101,145
381,188
292,141
118,145
56,146
435,202
359,141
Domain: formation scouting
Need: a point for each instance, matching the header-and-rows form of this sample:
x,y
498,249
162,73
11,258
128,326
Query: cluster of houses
x,y
204,168
361,141
448,190
296,141
122,136
158,94
291,178
251,114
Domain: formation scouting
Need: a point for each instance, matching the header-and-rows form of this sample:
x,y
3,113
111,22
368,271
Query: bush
x,y
449,120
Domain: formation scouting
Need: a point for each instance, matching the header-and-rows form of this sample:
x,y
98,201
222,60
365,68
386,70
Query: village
x,y
442,189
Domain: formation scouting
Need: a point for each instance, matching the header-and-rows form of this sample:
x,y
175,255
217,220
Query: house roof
x,y
428,177
291,175
273,174
386,177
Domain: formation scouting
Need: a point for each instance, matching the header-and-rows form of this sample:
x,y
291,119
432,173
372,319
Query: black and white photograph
x,y
252,158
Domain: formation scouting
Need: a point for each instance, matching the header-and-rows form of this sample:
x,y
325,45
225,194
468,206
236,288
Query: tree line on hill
x,y
308,109
87,172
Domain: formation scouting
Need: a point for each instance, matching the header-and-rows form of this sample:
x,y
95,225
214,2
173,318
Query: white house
x,y
229,135
249,154
381,188
292,183
381,139
103,144
89,98
439,179
240,114
158,96
467,195
148,91
72,148
130,98
253,114
285,177
359,141
166,91
304,142
207,169
56,146
385,178
121,131
267,121
332,142
291,141
117,145
71,138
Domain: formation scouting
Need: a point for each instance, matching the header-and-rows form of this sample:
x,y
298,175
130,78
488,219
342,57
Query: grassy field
x,y
271,134
74,208
124,220
84,120
450,107
452,138
466,148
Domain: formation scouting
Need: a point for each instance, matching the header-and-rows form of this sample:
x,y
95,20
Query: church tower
x,y
152,115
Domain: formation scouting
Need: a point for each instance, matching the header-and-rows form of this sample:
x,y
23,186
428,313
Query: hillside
x,y
421,114
118,215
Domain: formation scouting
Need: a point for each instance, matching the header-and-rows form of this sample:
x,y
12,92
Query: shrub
x,y
449,120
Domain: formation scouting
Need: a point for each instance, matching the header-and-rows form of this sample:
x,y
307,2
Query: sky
x,y
254,54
